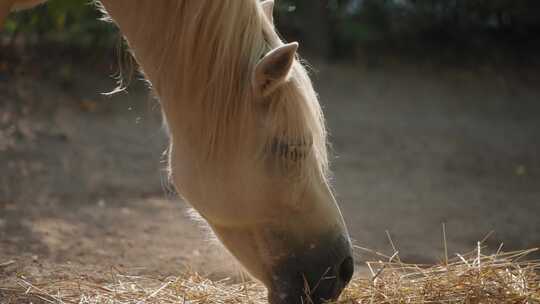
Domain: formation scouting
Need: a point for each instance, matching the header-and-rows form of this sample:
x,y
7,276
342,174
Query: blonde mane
x,y
203,57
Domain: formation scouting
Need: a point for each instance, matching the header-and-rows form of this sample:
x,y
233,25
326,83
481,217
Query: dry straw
x,y
502,277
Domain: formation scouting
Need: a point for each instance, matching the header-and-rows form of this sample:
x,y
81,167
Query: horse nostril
x,y
346,270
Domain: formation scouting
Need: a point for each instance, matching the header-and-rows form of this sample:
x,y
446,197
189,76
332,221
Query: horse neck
x,y
181,47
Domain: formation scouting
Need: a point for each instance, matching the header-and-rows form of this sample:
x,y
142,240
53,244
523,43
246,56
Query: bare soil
x,y
82,187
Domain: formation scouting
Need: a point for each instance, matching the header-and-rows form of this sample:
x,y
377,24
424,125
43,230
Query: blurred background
x,y
433,108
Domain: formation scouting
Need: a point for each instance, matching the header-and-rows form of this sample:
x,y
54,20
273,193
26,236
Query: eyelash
x,y
295,152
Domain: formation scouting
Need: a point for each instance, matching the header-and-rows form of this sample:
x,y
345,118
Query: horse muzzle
x,y
313,275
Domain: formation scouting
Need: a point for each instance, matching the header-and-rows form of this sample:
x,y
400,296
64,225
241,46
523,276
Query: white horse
x,y
247,137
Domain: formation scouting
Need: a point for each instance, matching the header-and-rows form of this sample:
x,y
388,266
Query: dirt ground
x,y
82,185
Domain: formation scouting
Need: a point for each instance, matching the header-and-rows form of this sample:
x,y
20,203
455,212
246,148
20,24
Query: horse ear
x,y
268,8
274,68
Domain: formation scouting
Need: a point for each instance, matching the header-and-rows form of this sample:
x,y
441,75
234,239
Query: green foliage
x,y
354,23
70,22
322,25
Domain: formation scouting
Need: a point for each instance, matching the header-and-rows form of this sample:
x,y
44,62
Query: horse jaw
x,y
280,230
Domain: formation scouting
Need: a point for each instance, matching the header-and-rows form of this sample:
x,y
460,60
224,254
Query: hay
x,y
468,278
187,288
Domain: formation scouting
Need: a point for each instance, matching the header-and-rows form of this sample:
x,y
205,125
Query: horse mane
x,y
204,54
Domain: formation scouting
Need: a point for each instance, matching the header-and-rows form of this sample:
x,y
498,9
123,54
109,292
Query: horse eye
x,y
291,150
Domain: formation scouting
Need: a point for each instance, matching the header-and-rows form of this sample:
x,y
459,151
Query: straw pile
x,y
469,278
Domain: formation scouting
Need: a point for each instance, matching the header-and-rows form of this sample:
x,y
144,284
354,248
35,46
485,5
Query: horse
x,y
248,142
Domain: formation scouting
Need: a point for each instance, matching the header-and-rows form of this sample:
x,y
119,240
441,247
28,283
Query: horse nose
x,y
331,284
315,276
305,289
